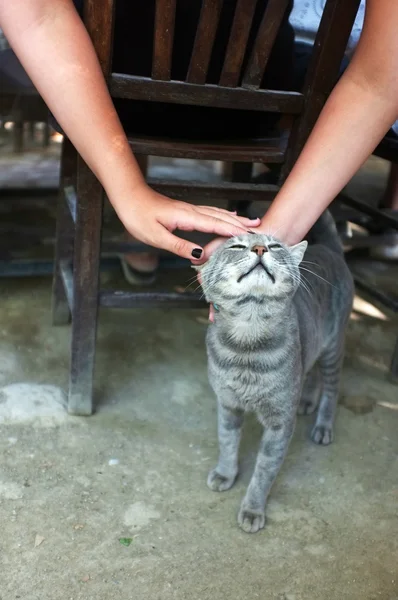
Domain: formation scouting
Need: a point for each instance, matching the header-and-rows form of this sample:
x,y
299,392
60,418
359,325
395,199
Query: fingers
x,y
209,223
243,220
172,243
229,217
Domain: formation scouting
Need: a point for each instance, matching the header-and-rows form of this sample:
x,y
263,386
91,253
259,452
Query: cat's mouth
x,y
258,265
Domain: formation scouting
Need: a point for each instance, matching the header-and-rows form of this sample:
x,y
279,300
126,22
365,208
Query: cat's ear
x,y
297,252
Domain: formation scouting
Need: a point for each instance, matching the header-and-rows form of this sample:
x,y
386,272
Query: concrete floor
x,y
70,488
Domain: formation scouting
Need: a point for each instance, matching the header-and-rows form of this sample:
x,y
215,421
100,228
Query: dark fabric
x,y
301,60
133,40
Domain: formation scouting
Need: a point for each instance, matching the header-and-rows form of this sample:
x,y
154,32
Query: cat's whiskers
x,y
297,279
316,275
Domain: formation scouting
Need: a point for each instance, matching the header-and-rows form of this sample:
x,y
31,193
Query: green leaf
x,y
125,541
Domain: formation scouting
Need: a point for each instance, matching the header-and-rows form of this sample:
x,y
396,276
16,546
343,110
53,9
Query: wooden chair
x,y
76,285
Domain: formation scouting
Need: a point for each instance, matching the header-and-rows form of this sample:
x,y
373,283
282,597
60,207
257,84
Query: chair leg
x,y
85,290
64,234
394,363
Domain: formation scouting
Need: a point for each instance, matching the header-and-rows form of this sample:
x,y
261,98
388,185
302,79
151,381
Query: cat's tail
x,y
325,232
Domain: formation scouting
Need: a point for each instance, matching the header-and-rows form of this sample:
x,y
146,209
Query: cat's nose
x,y
259,250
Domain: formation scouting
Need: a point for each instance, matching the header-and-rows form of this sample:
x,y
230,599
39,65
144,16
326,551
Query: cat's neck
x,y
255,322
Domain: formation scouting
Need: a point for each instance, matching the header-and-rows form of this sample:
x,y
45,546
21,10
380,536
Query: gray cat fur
x,y
275,348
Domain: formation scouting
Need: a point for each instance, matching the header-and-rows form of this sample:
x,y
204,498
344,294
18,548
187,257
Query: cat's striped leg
x,y
230,423
273,447
330,365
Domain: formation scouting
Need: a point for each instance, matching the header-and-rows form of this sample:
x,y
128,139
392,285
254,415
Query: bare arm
x,y
56,51
359,112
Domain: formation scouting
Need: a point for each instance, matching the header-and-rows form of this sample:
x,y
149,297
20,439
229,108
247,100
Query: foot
x,y
322,435
139,268
251,521
220,483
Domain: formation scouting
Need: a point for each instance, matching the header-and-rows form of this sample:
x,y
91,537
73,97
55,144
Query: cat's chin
x,y
259,271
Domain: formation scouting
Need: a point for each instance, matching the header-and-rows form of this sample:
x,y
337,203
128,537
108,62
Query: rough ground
x,y
137,469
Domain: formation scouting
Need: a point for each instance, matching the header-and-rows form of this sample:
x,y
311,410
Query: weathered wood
x,y
115,299
268,150
237,43
379,216
99,22
264,43
180,92
67,280
204,41
85,290
376,293
322,74
64,235
214,192
71,200
163,39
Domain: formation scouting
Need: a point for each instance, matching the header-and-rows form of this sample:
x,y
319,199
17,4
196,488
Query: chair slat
x,y
264,43
204,40
99,21
266,150
163,39
143,88
237,42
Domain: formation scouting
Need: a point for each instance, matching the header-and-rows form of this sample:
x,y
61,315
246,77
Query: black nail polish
x,y
197,252
253,232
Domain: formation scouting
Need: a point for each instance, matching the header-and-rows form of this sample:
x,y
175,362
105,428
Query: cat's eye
x,y
278,246
237,247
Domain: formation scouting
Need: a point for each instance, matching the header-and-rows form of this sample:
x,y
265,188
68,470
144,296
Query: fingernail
x,y
197,252
253,232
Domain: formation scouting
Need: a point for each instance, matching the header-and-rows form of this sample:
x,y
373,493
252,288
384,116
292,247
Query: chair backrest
x,y
243,67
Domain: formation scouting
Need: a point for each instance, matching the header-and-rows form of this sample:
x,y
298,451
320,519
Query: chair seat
x,y
266,150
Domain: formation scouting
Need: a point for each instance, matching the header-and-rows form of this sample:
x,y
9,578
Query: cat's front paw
x,y
251,521
322,435
220,483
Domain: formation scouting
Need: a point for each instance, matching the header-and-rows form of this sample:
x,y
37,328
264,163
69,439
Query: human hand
x,y
152,217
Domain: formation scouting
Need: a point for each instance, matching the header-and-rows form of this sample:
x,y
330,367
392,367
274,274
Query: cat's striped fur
x,y
275,348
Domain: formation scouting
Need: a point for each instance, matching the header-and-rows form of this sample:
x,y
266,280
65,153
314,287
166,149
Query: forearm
x,y
55,49
359,112
346,133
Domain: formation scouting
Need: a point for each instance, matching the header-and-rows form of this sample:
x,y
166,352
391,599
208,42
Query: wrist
x,y
123,180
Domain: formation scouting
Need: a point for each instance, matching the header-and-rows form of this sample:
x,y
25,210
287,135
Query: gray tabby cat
x,y
275,347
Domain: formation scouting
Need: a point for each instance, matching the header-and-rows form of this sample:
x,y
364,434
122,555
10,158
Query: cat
x,y
275,348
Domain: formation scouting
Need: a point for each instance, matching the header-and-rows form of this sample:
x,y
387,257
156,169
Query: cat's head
x,y
252,264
